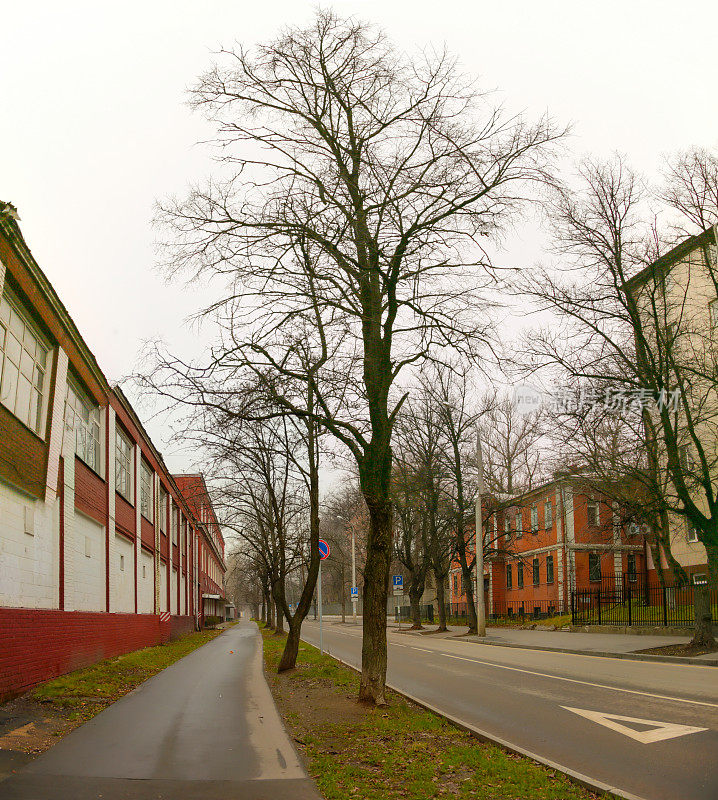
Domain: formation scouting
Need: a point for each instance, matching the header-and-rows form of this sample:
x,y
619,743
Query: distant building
x,y
101,549
554,539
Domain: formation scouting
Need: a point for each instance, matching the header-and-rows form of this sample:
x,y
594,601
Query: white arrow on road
x,y
658,732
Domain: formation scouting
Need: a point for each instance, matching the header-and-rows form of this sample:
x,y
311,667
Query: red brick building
x,y
546,543
102,550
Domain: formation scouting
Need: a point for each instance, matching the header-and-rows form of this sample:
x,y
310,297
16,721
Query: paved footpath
x,y
205,728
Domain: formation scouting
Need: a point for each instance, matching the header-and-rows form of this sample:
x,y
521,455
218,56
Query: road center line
x,y
583,683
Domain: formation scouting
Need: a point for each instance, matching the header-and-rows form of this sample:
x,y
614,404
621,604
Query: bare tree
x,y
624,325
383,173
690,187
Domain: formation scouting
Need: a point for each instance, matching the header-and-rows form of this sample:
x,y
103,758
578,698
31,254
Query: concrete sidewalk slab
x,y
205,727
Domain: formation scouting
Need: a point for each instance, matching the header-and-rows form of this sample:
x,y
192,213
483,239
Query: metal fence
x,y
620,601
507,609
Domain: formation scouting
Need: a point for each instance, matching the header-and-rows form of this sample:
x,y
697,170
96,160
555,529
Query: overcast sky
x,y
94,126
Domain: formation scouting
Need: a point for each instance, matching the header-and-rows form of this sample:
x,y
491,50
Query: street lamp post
x,y
354,568
479,544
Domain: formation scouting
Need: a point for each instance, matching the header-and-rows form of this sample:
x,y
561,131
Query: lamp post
x,y
354,568
479,544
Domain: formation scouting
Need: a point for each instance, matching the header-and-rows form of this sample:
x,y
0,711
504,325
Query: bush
x,y
210,622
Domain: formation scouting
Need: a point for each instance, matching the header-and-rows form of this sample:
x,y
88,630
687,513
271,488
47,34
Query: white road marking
x,y
659,733
584,683
419,648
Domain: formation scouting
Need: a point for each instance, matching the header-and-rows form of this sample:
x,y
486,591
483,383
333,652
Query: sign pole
x,y
319,603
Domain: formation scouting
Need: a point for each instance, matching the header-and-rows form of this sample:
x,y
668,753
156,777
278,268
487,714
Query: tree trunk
x,y
291,647
279,627
441,600
270,613
703,636
414,601
468,590
376,586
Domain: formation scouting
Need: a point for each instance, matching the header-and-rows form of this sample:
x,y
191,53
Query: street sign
x,y
398,584
355,592
323,549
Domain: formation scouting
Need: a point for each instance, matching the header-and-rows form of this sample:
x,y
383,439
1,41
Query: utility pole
x,y
479,544
354,579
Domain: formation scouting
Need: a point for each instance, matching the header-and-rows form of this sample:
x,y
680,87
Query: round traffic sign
x,y
323,549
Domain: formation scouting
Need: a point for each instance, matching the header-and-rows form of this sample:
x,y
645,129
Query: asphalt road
x,y
205,728
551,704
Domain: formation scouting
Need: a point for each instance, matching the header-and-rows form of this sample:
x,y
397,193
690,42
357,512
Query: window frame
x,y
534,519
509,576
520,575
631,567
122,438
549,572
596,559
548,515
146,470
593,505
536,571
691,533
94,420
38,392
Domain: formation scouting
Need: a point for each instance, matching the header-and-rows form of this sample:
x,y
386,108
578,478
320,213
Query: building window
x,y
509,577
163,510
520,575
507,527
535,572
548,514
685,457
631,567
691,532
122,563
84,417
594,567
173,521
534,519
146,494
123,465
23,366
144,570
549,569
592,513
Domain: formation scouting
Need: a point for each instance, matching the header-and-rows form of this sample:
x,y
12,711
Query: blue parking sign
x,y
355,592
398,581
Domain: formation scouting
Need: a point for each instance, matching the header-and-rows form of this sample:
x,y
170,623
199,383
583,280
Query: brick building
x,y
102,551
557,538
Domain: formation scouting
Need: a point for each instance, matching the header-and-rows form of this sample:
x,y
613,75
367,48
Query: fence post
x,y
628,595
573,607
598,594
665,608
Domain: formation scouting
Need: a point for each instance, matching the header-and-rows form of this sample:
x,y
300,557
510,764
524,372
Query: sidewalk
x,y
609,644
205,728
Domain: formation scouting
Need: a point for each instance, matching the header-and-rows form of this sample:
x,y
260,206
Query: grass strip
x,y
397,752
80,695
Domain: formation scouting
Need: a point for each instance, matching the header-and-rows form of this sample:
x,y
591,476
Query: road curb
x,y
576,777
599,653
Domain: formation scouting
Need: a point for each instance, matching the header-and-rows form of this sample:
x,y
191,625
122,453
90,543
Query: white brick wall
x,y
87,579
146,584
163,586
123,579
173,592
28,562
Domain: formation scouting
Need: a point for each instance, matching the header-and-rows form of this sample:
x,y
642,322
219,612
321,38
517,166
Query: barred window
x,y
123,465
146,493
631,567
594,567
535,570
549,569
23,365
84,417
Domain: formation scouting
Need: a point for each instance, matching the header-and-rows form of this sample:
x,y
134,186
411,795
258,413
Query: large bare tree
x,y
354,190
626,329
